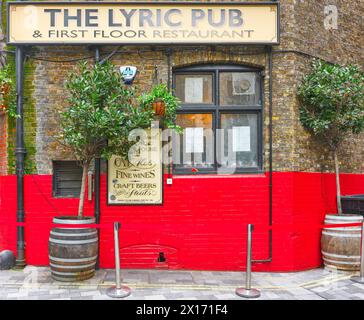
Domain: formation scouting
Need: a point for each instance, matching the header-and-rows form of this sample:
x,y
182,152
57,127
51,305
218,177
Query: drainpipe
x,y
97,182
20,155
270,66
169,86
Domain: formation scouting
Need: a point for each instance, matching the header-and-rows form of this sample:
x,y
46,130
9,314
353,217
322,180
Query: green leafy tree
x,y
100,116
332,106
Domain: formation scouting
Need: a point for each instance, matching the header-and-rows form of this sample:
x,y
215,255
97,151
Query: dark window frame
x,y
56,188
216,109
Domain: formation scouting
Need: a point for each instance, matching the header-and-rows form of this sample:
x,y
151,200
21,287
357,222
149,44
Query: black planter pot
x,y
353,204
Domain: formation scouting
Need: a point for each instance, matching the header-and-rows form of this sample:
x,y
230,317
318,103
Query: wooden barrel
x,y
340,246
73,251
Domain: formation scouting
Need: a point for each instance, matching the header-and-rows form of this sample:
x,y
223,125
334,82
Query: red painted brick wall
x,y
201,225
3,146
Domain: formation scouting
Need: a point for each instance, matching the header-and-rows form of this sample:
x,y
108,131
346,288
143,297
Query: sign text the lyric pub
x,y
142,23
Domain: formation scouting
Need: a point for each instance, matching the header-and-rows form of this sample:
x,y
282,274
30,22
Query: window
x,y
221,116
67,177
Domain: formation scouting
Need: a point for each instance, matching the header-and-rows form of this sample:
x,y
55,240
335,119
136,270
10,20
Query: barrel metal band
x,y
348,229
342,262
61,221
347,218
72,242
339,255
72,260
62,266
340,235
74,234
71,273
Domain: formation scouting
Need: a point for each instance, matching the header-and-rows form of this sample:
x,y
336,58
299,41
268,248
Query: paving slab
x,y
35,283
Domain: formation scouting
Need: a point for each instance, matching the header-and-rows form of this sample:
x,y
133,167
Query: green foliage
x,y
29,113
101,109
332,102
7,92
172,103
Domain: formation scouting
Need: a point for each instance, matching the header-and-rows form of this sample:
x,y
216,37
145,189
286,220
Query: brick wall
x,y
302,30
152,68
309,34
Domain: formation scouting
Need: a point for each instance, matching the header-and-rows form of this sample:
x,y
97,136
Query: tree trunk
x,y
338,191
83,187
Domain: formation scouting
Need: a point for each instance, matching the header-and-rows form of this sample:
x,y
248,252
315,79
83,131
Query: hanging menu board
x,y
140,180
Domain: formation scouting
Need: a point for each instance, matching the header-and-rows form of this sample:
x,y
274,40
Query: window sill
x,y
204,175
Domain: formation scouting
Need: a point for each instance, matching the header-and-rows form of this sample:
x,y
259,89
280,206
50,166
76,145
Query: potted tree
x,y
100,115
331,107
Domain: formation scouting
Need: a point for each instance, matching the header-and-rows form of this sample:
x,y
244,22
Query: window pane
x,y
194,89
194,148
240,137
239,88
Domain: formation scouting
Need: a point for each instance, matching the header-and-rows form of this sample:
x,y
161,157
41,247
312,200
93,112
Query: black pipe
x,y
169,86
20,155
169,54
97,182
97,54
270,66
270,151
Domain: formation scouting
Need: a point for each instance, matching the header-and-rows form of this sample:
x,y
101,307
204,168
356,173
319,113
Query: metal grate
x,y
67,176
353,204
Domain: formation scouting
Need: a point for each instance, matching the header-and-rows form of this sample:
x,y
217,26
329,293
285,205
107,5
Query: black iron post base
x,y
20,264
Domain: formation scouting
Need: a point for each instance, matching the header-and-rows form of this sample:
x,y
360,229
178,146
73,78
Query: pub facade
x,y
234,65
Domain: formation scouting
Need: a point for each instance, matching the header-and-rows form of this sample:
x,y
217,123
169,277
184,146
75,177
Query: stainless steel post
x,y
117,291
248,292
360,279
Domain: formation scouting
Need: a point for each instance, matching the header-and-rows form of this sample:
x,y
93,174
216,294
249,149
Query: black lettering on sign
x,y
167,17
197,14
159,18
89,17
111,19
127,16
52,15
67,17
145,16
235,18
213,23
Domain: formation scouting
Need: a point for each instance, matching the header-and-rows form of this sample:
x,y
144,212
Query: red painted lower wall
x,y
201,225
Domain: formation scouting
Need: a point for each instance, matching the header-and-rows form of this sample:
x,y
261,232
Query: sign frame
x,y
167,3
108,204
162,168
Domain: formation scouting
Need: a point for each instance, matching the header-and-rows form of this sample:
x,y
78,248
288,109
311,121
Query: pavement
x,y
35,283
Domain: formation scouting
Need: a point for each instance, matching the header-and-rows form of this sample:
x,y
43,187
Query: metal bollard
x,y
117,291
360,279
248,292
